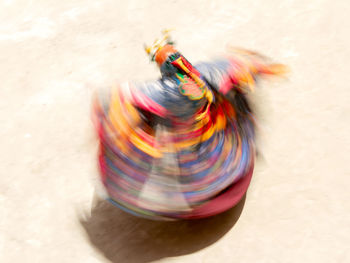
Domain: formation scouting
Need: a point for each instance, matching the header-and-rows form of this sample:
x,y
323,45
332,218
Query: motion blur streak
x,y
181,147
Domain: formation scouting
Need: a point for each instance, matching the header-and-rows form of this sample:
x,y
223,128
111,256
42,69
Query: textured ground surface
x,y
53,54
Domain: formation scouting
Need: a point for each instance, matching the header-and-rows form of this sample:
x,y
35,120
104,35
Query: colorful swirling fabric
x,y
181,147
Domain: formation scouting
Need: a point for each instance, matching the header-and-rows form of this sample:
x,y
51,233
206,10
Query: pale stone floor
x,y
54,54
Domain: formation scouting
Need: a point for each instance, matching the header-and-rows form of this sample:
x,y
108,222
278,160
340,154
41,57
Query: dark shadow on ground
x,y
121,237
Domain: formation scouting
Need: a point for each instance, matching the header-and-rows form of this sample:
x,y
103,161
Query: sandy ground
x,y
54,54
